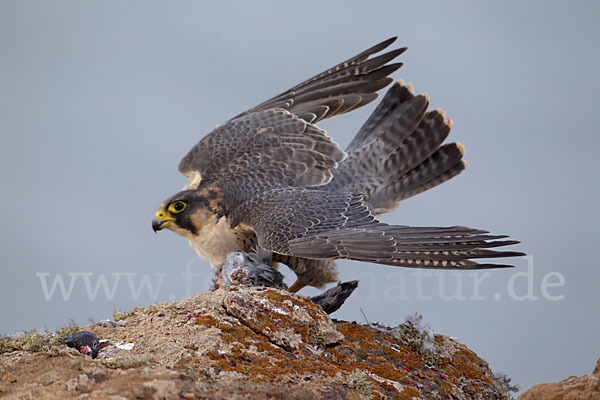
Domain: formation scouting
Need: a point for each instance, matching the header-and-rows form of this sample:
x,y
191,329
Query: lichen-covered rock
x,y
585,387
284,323
253,343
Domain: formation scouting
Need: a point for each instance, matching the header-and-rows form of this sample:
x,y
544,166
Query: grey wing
x,y
399,151
265,148
291,116
350,84
317,224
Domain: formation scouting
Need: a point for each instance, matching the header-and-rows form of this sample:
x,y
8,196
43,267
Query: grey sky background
x,y
100,100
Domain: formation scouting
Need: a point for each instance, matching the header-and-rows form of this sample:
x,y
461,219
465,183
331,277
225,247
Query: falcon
x,y
270,178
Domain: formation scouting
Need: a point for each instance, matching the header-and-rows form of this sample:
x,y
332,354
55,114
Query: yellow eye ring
x,y
177,207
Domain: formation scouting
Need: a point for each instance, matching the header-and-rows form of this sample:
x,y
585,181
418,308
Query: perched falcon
x,y
271,178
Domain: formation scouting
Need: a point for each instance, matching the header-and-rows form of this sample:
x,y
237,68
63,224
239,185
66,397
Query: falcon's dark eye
x,y
177,207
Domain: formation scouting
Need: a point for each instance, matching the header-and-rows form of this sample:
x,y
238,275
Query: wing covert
x,y
269,148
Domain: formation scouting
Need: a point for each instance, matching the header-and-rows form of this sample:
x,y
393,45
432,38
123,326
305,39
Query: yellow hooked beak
x,y
161,220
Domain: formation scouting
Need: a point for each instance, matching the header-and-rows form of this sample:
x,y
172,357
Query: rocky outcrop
x,y
585,387
253,343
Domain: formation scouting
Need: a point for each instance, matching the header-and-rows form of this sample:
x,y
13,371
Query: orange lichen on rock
x,y
258,343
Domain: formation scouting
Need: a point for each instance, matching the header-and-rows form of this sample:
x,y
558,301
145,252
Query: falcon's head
x,y
187,212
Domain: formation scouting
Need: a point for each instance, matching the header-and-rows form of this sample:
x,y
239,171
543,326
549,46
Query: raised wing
x,y
343,88
316,224
264,149
398,152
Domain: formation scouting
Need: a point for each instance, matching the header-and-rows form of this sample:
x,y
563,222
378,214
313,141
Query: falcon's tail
x,y
398,152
